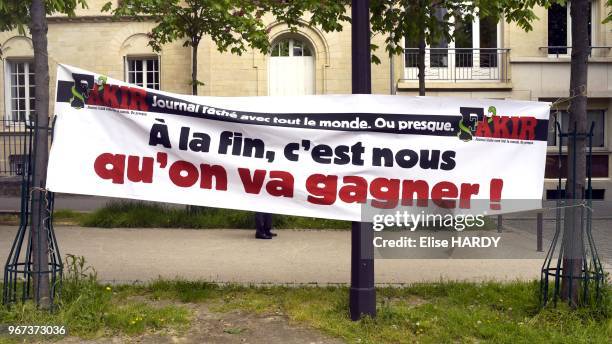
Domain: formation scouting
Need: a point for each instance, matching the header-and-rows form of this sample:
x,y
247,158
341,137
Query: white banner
x,y
320,156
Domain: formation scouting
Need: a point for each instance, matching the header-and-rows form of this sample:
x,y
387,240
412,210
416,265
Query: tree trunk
x,y
193,209
40,212
194,67
421,62
575,185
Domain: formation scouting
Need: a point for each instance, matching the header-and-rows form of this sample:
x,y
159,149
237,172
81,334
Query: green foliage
x,y
16,13
423,19
151,215
136,318
90,309
83,301
134,214
329,15
609,17
233,25
443,312
184,291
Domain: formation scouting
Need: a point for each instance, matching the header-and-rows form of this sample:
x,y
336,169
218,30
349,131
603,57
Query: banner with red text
x,y
320,156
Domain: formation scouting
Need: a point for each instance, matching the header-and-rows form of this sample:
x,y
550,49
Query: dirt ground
x,y
209,327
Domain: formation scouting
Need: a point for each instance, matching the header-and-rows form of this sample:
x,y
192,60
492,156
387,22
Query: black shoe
x,y
269,232
259,235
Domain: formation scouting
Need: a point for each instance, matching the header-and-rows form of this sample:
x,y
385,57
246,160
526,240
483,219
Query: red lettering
x,y
136,173
465,196
500,127
183,173
515,127
322,189
355,192
110,96
528,125
483,129
209,172
282,186
442,191
412,187
253,184
138,99
95,98
110,166
386,192
125,93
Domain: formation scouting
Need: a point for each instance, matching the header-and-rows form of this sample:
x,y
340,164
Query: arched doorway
x,y
291,69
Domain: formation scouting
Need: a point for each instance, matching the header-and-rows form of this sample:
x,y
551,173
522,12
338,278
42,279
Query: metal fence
x,y
15,140
458,64
565,51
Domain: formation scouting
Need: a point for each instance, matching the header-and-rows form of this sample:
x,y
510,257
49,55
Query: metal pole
x,y
540,220
392,73
362,299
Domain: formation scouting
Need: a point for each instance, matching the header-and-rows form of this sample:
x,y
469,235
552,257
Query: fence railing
x,y
14,140
560,50
458,64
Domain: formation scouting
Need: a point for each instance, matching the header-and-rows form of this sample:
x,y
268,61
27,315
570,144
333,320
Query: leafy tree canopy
x,y
233,25
432,20
230,23
327,14
609,17
16,13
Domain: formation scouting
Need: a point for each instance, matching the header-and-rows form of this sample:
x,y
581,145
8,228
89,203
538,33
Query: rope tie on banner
x,y
582,204
578,92
46,219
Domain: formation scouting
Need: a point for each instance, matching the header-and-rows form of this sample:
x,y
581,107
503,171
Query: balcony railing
x,y
560,50
458,64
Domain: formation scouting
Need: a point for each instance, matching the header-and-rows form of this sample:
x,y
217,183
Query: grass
x,y
151,215
130,214
444,312
65,217
89,309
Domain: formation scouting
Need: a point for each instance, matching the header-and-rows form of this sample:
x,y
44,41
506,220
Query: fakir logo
x,y
473,122
83,84
86,91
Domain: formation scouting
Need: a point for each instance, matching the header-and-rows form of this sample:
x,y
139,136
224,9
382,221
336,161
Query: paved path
x,y
72,202
601,230
128,255
601,209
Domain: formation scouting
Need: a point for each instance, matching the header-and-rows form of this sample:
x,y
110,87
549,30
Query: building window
x,y
557,166
478,37
439,51
143,72
474,52
595,117
290,48
559,28
19,90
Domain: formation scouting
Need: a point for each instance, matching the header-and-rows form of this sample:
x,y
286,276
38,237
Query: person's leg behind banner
x,y
261,228
268,224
